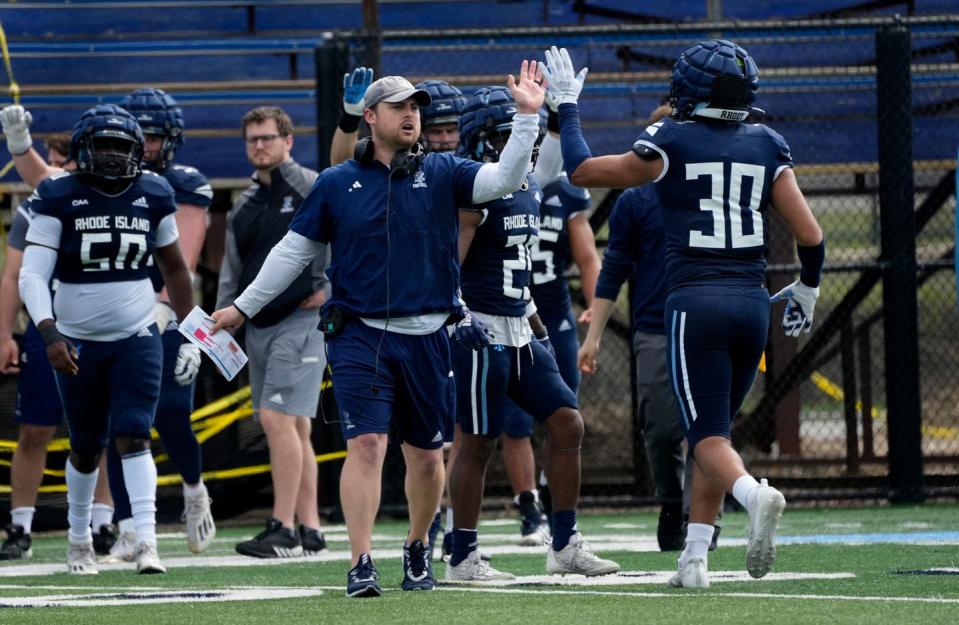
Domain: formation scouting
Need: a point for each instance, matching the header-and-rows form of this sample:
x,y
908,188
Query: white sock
x,y
140,477
126,526
196,489
542,478
102,515
698,537
449,519
23,516
744,490
80,487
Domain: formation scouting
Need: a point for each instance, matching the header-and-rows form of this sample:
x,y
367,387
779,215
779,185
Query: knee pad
x,y
131,444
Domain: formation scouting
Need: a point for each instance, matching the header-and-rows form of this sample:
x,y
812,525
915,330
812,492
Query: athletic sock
x,y
464,542
744,490
80,487
449,519
193,491
102,515
23,516
140,477
126,526
698,537
564,526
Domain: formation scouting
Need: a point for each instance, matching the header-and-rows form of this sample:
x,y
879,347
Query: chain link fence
x,y
831,415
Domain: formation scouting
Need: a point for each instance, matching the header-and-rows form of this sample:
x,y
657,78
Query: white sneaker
x,y
761,547
475,569
124,550
693,575
82,559
200,528
148,560
536,538
577,557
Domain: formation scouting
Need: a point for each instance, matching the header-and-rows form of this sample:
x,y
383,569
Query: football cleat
x,y
200,528
148,560
275,541
82,559
693,575
313,541
17,545
761,546
123,550
363,580
418,567
104,539
534,532
577,558
475,569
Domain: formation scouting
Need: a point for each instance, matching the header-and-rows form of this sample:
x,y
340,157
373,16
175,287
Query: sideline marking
x,y
101,599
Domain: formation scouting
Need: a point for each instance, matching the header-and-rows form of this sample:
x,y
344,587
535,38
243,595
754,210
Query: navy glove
x,y
544,341
471,332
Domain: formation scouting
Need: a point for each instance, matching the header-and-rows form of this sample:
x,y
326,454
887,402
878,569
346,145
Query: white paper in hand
x,y
220,347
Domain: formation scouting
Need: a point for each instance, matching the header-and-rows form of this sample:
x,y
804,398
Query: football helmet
x,y
716,79
486,123
107,143
158,114
447,104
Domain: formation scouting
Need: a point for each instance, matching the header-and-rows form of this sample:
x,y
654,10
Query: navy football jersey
x,y
190,187
714,191
497,271
104,238
551,253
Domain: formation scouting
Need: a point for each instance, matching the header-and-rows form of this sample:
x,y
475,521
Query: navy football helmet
x,y
717,74
107,143
486,123
158,114
447,105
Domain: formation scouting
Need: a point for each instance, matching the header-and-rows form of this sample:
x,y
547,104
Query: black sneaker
x,y
363,580
275,541
313,541
435,528
418,567
104,539
670,533
17,545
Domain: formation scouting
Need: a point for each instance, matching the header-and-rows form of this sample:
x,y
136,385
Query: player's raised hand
x,y
564,83
800,305
586,359
354,90
229,318
16,128
528,90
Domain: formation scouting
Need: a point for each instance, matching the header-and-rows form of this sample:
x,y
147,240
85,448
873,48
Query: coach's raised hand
x,y
528,91
565,84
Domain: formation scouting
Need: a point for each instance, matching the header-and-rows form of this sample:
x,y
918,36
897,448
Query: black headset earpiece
x,y
363,152
405,163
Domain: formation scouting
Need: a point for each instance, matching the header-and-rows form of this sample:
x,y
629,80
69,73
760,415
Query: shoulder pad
x,y
645,152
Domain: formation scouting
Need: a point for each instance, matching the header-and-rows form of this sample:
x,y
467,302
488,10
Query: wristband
x,y
811,258
348,123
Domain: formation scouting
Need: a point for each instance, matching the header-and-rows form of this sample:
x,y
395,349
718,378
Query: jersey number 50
x,y
102,263
717,205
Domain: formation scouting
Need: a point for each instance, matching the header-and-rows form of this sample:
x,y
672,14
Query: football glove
x,y
187,364
164,313
800,305
471,332
16,127
354,89
564,83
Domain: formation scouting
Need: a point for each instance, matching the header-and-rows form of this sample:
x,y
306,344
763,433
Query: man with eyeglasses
x,y
286,352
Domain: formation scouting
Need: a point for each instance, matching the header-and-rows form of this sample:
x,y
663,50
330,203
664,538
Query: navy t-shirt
x,y
551,254
393,239
497,270
190,187
714,191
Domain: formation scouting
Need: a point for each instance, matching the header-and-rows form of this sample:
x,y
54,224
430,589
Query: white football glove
x,y
564,83
165,314
551,103
187,364
16,127
800,304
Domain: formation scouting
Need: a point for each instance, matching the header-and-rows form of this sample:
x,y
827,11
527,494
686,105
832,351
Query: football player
x,y
96,228
495,252
715,179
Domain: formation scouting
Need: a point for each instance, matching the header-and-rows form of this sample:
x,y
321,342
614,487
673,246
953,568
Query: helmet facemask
x,y
113,155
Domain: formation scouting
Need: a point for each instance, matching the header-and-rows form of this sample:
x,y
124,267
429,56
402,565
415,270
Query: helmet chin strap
x,y
727,115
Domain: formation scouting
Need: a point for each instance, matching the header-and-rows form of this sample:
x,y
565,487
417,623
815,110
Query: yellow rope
x,y
14,88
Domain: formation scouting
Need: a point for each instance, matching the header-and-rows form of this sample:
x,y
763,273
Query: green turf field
x,y
877,565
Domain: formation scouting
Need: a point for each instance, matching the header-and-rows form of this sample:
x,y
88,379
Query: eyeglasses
x,y
266,140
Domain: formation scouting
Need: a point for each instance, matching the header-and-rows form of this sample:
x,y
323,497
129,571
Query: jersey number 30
x,y
102,263
719,207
